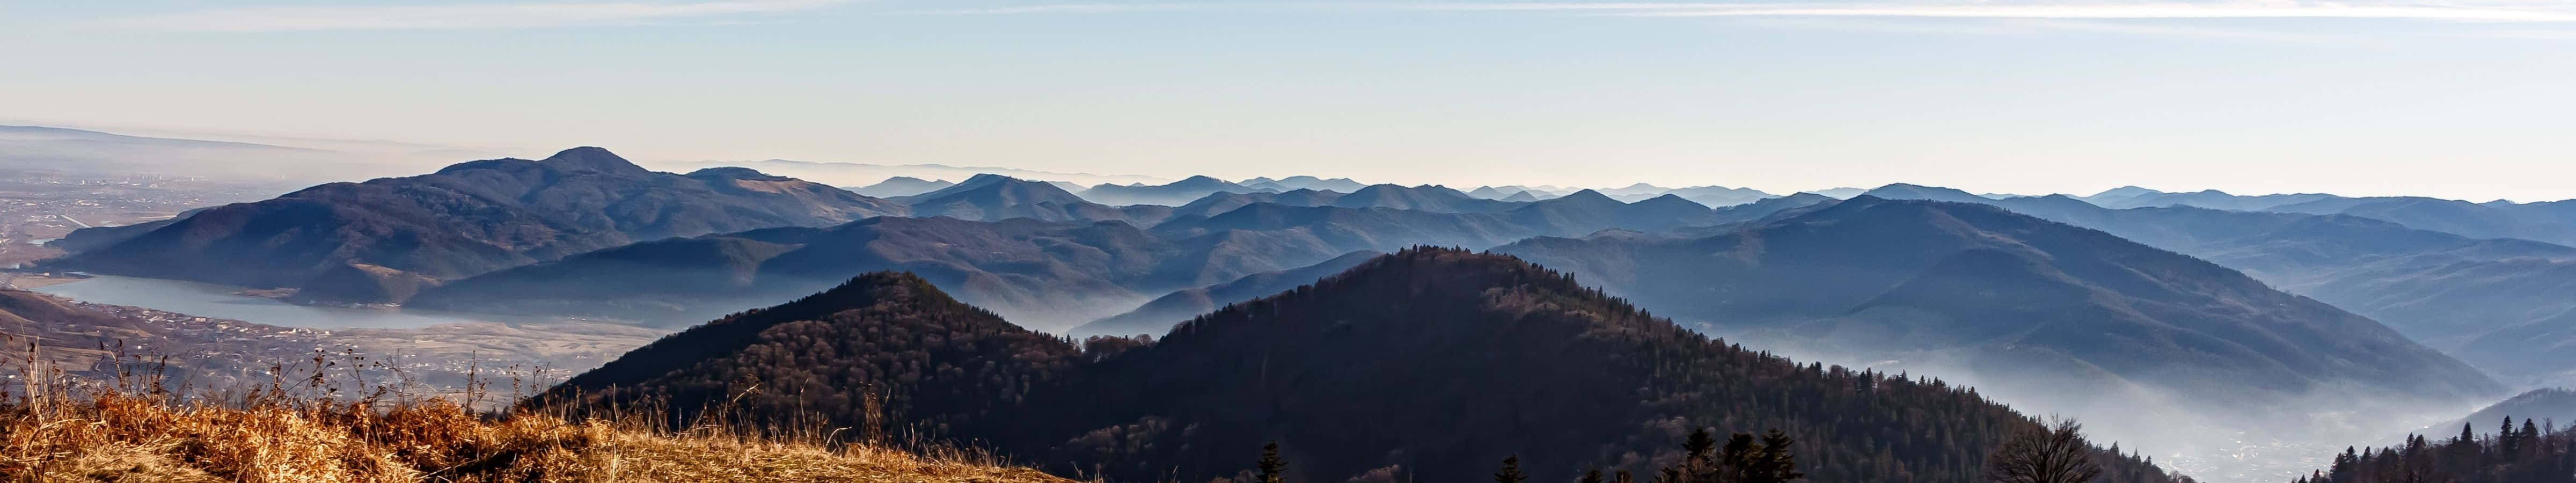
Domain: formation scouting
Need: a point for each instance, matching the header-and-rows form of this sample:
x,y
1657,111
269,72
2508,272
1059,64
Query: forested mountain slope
x,y
1501,358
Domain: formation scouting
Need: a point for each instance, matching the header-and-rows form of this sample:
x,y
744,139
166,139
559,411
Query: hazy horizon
x,y
2457,101
686,164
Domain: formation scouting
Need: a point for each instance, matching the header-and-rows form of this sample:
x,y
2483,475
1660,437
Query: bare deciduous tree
x,y
2055,453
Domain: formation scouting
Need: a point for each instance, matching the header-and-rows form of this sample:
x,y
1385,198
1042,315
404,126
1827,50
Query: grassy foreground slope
x,y
128,436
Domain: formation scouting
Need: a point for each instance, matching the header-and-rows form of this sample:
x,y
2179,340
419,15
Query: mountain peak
x,y
995,182
587,158
735,172
2131,190
983,178
1669,199
1585,196
1903,191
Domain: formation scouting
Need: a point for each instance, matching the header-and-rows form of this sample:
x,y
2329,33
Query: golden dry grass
x,y
137,435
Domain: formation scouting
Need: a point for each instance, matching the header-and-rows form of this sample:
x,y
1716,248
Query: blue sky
x,y
2462,100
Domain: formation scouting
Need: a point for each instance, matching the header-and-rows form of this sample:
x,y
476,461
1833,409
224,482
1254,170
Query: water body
x,y
219,301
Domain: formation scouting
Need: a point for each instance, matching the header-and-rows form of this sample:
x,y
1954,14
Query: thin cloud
x,y
1068,8
2527,11
460,16
2129,11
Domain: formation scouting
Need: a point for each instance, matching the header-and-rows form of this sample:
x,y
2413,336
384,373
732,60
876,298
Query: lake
x,y
219,301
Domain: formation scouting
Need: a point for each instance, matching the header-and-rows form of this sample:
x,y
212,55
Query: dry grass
x,y
124,431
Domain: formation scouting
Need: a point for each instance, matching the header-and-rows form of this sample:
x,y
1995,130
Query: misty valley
x,y
1315,329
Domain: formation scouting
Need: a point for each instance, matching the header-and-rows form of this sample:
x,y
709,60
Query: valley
x,y
541,270
1125,241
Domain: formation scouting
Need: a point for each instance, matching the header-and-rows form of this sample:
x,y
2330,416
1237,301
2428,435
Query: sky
x,y
2468,100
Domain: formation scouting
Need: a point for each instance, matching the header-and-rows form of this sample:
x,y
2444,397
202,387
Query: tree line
x,y
2529,452
2056,453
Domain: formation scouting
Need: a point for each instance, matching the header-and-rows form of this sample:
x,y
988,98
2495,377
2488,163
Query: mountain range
x,y
1159,315
1500,358
2495,303
2553,222
464,220
1875,279
1051,274
997,197
902,186
1173,194
861,174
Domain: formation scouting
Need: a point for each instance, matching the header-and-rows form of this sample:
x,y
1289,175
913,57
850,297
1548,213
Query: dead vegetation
x,y
58,428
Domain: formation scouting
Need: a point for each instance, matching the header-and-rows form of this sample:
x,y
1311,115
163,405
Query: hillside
x,y
1067,273
127,435
2546,404
1159,315
2050,313
2553,222
2517,449
467,219
1502,358
81,343
2494,303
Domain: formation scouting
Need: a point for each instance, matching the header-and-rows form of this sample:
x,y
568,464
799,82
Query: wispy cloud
x,y
2521,11
2127,11
1065,8
461,16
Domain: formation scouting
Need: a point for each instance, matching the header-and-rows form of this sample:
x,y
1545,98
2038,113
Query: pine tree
x,y
1593,476
1740,458
1699,459
1511,472
1273,469
1776,464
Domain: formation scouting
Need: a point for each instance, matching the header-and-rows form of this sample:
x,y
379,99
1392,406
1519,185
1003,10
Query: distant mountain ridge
x,y
1053,269
468,219
858,174
1868,271
991,197
1158,316
2494,303
1173,194
902,186
1067,272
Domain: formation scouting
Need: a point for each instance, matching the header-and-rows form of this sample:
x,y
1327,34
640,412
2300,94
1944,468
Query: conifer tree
x,y
1511,472
1593,476
1776,464
1272,468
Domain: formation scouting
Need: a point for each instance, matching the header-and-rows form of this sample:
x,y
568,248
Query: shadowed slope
x,y
1498,357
